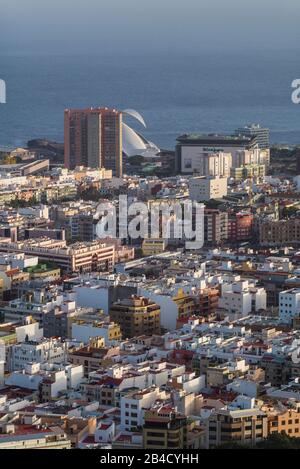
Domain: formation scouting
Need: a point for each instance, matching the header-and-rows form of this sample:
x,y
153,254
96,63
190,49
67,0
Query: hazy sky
x,y
147,26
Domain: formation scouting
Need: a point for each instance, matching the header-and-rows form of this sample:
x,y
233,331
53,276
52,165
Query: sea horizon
x,y
210,92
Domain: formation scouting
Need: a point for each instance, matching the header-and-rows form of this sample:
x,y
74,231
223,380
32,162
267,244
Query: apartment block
x,y
203,189
136,316
240,227
285,421
175,304
279,232
248,171
93,138
215,226
165,428
262,134
153,246
84,331
78,257
247,426
289,305
134,404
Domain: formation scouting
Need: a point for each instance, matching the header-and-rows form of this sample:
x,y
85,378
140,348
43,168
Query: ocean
x,y
210,92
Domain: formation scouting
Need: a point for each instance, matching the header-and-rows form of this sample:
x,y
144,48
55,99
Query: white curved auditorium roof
x,y
133,142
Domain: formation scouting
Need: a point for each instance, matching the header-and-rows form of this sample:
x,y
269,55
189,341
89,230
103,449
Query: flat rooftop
x,y
216,139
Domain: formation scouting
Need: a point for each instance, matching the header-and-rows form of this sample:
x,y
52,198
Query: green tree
x,y
279,441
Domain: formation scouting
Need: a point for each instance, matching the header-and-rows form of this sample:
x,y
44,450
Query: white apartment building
x,y
259,298
166,299
30,330
244,387
58,377
27,378
216,159
93,296
204,188
109,331
44,351
105,432
289,305
134,404
41,211
211,164
256,156
217,164
35,304
74,375
240,298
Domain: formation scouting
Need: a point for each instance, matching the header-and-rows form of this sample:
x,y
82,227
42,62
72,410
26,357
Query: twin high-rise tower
x,y
93,138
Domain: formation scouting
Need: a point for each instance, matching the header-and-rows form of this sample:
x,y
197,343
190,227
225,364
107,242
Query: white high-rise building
x,y
216,164
254,130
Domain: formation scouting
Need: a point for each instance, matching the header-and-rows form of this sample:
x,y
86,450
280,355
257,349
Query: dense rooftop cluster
x,y
122,342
